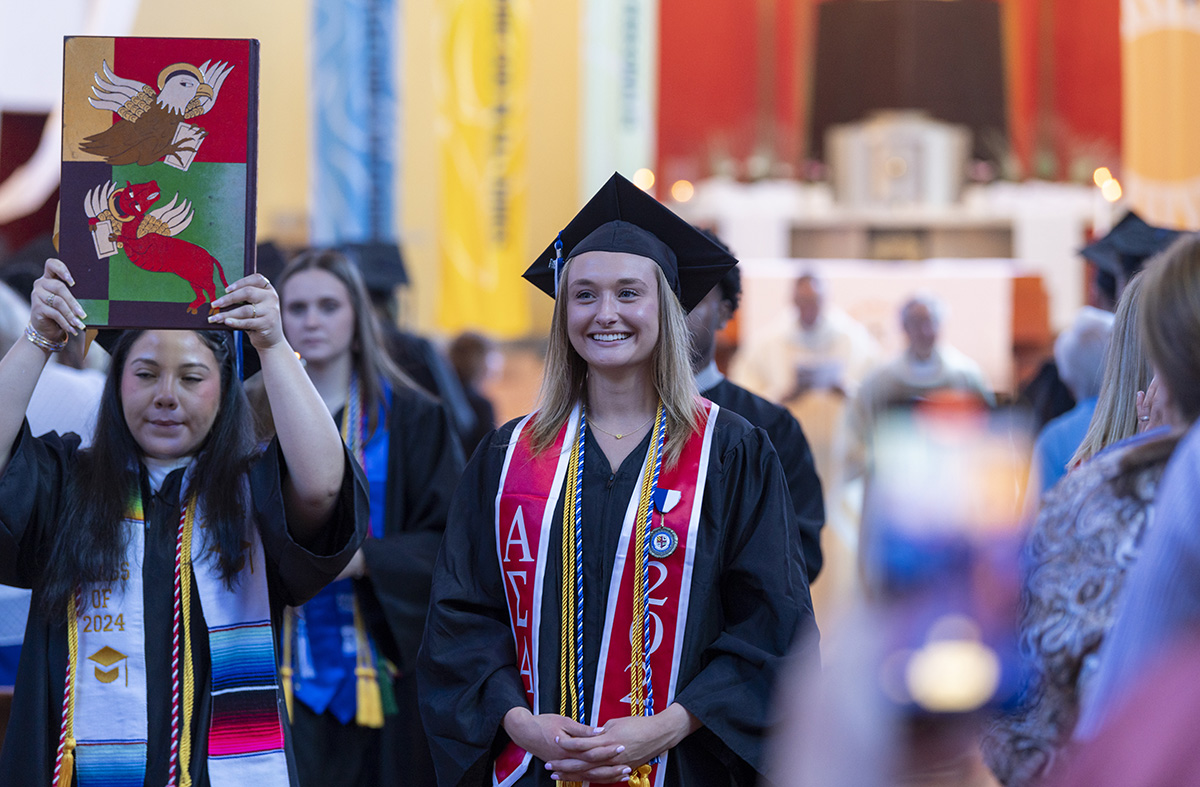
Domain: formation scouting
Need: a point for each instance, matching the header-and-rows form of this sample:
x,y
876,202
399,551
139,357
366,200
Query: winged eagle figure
x,y
152,125
150,237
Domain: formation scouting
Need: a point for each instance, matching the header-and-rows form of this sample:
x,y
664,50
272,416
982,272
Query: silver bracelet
x,y
41,341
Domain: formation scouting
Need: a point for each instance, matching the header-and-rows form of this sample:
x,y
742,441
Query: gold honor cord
x,y
368,706
65,768
189,677
637,662
569,700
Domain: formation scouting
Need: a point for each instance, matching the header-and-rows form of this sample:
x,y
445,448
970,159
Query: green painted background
x,y
218,196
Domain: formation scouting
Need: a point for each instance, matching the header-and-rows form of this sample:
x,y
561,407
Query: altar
x,y
1004,258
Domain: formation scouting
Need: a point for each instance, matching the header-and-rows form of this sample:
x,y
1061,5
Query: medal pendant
x,y
662,541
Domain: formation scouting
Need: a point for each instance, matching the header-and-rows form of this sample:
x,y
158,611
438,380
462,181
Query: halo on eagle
x,y
174,68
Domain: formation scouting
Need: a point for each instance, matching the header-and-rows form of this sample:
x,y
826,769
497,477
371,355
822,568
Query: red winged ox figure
x,y
149,237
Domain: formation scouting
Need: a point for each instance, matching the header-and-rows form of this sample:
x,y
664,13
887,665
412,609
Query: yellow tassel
x,y
641,776
288,693
370,709
285,668
67,774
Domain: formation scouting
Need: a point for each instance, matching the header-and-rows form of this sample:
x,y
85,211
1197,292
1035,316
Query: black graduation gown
x,y
423,466
425,461
429,369
31,493
749,599
794,455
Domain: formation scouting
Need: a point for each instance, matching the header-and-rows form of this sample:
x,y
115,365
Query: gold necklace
x,y
623,434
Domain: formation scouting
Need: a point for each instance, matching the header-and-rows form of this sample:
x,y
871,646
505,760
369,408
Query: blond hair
x,y
1126,371
563,382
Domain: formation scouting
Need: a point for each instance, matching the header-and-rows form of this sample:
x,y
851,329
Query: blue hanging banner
x,y
354,122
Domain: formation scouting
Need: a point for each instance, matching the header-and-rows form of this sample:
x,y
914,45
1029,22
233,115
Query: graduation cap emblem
x,y
621,217
108,657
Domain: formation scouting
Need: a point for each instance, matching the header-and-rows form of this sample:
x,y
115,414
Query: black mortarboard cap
x,y
380,263
621,217
1126,247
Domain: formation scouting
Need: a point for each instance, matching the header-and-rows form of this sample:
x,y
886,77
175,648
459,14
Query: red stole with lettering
x,y
525,506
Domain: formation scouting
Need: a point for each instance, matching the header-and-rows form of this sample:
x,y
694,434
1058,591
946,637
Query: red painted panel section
x,y
143,58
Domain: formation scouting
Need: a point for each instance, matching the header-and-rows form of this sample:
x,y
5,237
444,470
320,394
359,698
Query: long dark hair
x,y
370,360
90,541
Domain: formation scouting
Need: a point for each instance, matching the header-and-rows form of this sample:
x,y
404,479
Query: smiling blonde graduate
x,y
619,581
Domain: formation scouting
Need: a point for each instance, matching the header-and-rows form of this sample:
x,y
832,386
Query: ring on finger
x,y
50,299
253,311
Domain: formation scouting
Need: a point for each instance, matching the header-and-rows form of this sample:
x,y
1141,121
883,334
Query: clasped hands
x,y
603,755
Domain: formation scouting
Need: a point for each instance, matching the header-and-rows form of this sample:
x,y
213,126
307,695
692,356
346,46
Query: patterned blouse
x,y
1088,534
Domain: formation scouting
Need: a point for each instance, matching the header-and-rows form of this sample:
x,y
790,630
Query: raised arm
x,y
307,435
54,313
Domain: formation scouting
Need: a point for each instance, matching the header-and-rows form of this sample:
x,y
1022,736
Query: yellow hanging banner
x,y
1160,56
482,108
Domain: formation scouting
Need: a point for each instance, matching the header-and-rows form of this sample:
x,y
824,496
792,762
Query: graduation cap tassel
x,y
557,262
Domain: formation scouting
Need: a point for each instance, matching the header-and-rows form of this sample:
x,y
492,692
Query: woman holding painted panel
x,y
618,584
161,557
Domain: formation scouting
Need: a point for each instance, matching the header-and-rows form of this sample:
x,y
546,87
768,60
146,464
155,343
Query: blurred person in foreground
x,y
1088,533
351,651
1079,353
928,651
1151,738
705,321
1162,597
620,579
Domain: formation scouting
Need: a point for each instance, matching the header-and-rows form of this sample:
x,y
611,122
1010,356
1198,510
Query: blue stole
x,y
325,636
